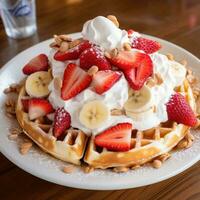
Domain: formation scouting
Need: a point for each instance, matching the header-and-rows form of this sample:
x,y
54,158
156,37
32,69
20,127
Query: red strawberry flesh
x,y
72,53
104,80
127,59
147,45
39,108
116,138
38,63
62,121
75,80
136,77
179,110
94,56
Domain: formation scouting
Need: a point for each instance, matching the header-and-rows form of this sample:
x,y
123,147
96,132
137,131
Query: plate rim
x,y
91,186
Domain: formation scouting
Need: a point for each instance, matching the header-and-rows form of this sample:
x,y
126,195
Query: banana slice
x,y
139,116
37,84
139,101
178,71
93,114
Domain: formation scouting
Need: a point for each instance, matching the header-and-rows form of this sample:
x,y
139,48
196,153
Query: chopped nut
x,y
114,53
16,131
57,83
64,46
75,43
68,169
120,169
127,46
9,115
156,164
117,112
113,19
189,144
158,79
65,38
25,147
12,136
106,54
191,78
170,56
183,62
7,90
135,167
182,144
189,136
93,70
150,82
10,103
57,40
164,157
88,169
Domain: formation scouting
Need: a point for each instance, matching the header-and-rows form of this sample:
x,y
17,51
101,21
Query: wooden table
x,y
175,20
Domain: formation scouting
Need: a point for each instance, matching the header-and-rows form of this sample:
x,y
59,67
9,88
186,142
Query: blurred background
x,y
175,20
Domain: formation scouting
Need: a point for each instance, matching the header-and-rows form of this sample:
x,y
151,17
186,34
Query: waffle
x,y
145,145
70,148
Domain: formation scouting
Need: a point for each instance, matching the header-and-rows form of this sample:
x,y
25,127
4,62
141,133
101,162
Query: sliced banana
x,y
37,84
139,116
93,114
139,101
178,71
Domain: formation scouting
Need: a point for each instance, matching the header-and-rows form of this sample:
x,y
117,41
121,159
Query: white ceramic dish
x,y
46,167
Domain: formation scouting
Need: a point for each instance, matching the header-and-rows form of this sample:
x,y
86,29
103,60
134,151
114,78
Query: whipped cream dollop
x,y
103,32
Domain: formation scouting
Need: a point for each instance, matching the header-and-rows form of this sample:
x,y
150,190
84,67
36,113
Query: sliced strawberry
x,y
39,108
38,63
94,56
73,53
136,77
75,80
104,80
147,45
179,110
25,104
127,59
130,32
62,121
116,138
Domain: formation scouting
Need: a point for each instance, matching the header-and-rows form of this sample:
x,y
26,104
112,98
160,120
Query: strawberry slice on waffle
x,y
116,138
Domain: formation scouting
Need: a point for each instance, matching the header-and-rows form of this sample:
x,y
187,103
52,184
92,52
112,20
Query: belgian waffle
x,y
71,148
145,145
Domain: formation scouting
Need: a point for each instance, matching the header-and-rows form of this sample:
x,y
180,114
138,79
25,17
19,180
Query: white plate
x,y
46,167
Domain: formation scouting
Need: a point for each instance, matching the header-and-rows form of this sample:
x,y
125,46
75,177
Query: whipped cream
x,y
172,73
103,32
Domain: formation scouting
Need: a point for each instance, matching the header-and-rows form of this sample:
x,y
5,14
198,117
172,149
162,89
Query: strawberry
x,y
72,53
104,80
38,63
39,108
25,104
130,32
116,138
136,77
179,110
62,121
94,56
127,59
75,80
147,45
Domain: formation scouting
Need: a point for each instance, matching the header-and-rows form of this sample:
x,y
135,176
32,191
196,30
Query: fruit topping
x,y
116,138
62,121
93,114
75,80
104,80
136,77
72,53
37,84
39,108
179,110
38,63
147,45
94,56
127,59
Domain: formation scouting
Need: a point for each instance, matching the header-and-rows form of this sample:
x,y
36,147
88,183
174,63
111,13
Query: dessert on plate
x,y
108,99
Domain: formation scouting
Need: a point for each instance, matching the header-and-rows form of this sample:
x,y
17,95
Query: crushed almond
x,y
64,46
135,167
88,169
150,82
117,112
164,157
113,19
127,46
114,53
106,54
12,136
183,62
158,79
170,56
68,169
120,169
93,70
25,147
182,144
65,38
156,164
75,43
57,83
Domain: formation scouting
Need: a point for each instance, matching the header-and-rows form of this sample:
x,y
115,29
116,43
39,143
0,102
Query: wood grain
x,y
175,20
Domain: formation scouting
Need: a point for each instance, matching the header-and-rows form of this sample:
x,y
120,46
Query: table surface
x,y
175,20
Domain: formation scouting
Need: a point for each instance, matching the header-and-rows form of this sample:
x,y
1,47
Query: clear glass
x,y
19,17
